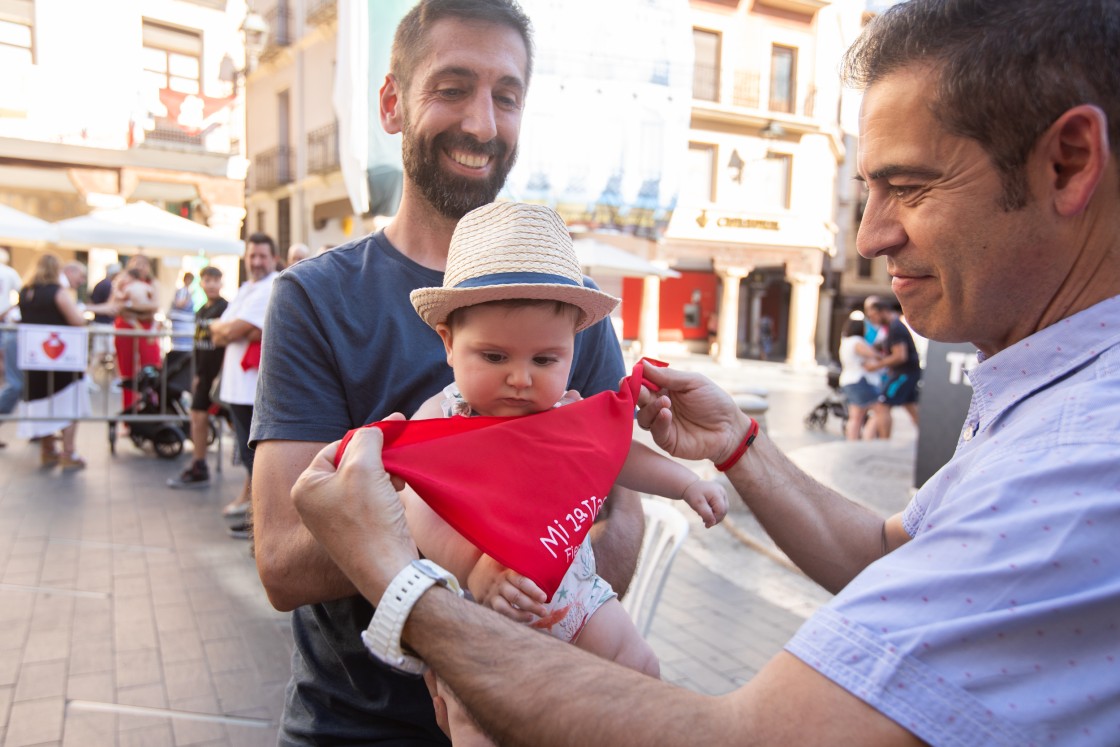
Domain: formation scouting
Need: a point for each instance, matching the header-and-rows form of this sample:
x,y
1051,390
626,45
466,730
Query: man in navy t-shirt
x,y
343,347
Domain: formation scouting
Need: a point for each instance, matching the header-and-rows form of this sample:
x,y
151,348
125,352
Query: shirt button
x,y
969,431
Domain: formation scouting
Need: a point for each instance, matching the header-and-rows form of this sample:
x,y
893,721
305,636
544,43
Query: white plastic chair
x,y
666,529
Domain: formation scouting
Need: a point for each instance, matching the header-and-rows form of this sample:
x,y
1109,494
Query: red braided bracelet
x,y
752,433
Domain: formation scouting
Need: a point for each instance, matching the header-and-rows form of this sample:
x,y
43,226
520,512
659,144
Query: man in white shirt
x,y
239,330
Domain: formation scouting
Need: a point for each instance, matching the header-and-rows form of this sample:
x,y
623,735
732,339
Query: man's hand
x,y
506,591
355,513
690,416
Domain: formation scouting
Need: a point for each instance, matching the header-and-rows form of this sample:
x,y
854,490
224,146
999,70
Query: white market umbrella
x,y
598,258
141,225
16,226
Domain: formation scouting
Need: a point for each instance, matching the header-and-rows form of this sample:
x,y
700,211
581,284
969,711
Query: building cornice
x,y
61,155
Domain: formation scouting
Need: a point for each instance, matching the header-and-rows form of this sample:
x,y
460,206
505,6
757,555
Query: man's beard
x,y
451,194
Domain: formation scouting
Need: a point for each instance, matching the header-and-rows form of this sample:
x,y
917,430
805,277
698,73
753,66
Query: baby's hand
x,y
503,590
708,499
569,397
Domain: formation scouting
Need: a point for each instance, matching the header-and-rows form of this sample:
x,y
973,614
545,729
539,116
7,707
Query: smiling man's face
x,y
963,268
462,114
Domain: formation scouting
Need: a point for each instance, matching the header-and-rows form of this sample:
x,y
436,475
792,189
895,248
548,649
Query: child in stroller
x,y
159,401
833,404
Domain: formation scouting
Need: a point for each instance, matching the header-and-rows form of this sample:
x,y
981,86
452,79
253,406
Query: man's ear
x,y
445,335
392,107
1076,150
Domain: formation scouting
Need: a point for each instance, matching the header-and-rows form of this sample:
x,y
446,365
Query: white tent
x,y
141,225
598,258
17,227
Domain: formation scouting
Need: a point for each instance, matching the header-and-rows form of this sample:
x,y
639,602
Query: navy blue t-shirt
x,y
343,347
897,334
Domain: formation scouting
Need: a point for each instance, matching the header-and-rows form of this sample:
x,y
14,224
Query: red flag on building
x,y
524,490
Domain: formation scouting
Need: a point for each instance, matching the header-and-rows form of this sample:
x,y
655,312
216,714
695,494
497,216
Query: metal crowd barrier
x,y
160,413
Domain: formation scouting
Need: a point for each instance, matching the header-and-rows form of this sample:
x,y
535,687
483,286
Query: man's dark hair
x,y
263,238
1006,69
410,43
210,271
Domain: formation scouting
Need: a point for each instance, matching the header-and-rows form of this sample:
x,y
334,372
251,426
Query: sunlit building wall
x,y
105,103
755,229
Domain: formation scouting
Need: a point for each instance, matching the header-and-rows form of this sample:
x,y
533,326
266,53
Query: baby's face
x,y
511,361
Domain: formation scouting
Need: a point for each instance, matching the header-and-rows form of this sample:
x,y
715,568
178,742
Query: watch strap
x,y
383,636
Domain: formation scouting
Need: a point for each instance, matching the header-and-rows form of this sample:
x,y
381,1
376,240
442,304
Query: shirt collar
x,y
1012,374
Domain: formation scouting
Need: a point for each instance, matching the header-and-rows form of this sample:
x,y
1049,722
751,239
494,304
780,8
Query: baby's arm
x,y
646,471
490,583
438,540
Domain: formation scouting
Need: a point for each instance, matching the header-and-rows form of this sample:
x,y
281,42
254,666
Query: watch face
x,y
428,568
441,576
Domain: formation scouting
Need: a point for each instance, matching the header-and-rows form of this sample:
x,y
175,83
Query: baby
x,y
508,313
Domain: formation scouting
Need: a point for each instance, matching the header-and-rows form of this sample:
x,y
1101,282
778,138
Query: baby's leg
x,y
610,633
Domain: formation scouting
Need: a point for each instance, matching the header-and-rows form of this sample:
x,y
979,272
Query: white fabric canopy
x,y
598,258
141,225
23,228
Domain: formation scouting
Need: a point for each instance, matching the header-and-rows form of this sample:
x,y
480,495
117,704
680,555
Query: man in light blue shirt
x,y
986,613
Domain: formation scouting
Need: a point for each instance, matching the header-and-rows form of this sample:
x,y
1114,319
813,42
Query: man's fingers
x,y
438,702
364,447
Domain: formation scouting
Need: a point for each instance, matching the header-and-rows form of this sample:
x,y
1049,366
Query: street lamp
x,y
255,31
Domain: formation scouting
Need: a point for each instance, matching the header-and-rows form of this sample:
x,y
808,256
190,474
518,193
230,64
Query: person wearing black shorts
x,y
904,371
208,365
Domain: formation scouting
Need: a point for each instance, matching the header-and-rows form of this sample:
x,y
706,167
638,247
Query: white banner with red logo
x,y
44,347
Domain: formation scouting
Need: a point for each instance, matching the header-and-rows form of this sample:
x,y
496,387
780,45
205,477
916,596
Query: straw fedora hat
x,y
511,250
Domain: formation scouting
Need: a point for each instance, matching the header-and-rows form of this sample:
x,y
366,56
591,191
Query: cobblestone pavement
x,y
130,618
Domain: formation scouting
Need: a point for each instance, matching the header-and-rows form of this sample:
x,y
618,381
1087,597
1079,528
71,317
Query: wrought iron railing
x,y
273,167
322,149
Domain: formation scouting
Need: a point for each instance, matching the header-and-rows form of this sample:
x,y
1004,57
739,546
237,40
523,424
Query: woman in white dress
x,y
53,400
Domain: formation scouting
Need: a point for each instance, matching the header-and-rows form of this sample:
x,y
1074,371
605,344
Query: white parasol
x,y
141,225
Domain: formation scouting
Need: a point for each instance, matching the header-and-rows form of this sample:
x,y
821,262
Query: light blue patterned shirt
x,y
999,622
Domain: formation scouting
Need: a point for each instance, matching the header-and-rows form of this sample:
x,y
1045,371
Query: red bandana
x,y
524,490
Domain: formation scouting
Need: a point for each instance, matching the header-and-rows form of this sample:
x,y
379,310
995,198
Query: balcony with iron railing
x,y
273,167
745,93
322,149
173,135
279,20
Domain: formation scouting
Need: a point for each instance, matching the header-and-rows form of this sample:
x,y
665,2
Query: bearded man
x,y
344,347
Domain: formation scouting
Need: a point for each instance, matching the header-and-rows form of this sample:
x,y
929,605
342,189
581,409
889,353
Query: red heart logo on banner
x,y
53,346
524,490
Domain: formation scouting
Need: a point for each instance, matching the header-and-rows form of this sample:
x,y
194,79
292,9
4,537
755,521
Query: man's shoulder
x,y
9,277
213,308
351,252
363,266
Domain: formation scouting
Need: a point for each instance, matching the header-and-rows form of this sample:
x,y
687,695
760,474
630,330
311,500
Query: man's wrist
x,y
734,439
381,569
383,636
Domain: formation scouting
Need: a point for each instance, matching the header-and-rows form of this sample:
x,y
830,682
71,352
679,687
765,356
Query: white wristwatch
x,y
383,636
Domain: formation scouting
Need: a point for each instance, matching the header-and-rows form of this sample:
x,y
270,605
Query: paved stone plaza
x,y
130,618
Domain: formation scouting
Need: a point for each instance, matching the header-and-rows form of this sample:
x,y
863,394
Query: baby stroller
x,y
833,404
166,436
